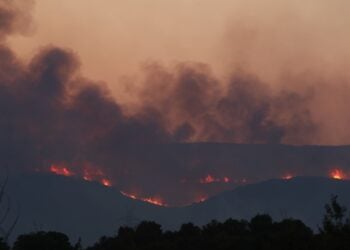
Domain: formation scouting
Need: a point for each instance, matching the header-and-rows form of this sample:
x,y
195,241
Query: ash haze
x,y
297,46
86,85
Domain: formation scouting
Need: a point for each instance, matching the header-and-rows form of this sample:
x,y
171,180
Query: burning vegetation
x,y
88,174
210,179
153,200
60,170
288,177
338,174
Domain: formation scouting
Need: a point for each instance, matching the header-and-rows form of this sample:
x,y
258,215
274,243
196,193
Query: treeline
x,y
260,233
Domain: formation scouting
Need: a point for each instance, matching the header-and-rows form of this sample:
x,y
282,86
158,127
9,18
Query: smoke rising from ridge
x,y
197,106
51,114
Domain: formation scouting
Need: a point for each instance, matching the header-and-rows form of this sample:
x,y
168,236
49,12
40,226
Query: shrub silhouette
x,y
260,233
335,233
43,241
3,245
334,221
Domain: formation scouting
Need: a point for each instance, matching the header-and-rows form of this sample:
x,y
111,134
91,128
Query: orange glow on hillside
x,y
210,179
129,195
89,174
153,200
226,180
93,174
201,199
61,170
207,179
287,177
337,174
106,182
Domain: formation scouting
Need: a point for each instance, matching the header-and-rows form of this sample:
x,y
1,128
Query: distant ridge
x,y
300,197
89,210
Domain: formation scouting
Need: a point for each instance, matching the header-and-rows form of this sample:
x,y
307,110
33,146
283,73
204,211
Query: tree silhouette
x,y
261,223
43,241
78,245
260,233
8,220
189,237
292,234
334,220
3,245
148,235
126,238
335,233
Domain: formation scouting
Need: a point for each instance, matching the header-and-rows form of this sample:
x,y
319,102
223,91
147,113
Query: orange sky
x,y
112,37
273,39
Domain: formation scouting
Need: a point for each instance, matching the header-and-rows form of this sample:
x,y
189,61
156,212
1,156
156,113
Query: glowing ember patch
x,y
106,182
337,174
89,174
287,177
86,175
210,179
129,195
152,200
226,180
201,199
92,174
61,170
87,178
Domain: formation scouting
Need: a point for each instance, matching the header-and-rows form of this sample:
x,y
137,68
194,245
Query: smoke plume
x,y
51,114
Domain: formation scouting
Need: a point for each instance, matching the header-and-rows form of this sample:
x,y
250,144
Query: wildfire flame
x,y
287,177
88,174
92,174
207,179
337,174
106,182
201,199
152,200
61,170
210,179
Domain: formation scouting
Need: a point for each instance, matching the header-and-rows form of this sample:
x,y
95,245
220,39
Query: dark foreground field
x,y
261,232
89,210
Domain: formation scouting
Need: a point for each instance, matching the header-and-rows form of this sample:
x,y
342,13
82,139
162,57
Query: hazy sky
x,y
113,37
289,44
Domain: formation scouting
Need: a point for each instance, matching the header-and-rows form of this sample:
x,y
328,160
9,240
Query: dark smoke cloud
x,y
15,17
199,107
50,114
56,115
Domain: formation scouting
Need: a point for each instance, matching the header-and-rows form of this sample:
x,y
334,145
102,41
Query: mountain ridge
x,y
89,210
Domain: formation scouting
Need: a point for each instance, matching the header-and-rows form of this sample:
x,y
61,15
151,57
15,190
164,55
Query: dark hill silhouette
x,y
89,210
301,197
166,165
79,208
